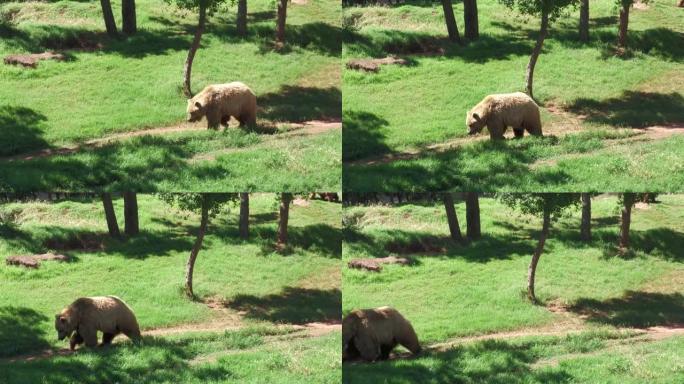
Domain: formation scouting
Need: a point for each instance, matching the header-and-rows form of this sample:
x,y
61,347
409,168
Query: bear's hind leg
x,y
225,120
519,132
107,338
368,349
385,350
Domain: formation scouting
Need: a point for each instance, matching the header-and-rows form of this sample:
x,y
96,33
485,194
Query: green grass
x,y
234,356
147,271
408,107
452,291
134,83
534,360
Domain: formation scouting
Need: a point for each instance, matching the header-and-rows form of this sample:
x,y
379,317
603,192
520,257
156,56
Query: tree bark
x,y
532,269
452,219
585,230
681,3
624,23
285,199
187,69
281,21
452,28
472,202
129,25
131,214
110,215
241,23
584,20
543,30
472,29
190,266
110,23
244,215
626,219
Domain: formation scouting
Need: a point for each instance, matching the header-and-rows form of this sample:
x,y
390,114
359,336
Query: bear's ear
x,y
476,116
198,104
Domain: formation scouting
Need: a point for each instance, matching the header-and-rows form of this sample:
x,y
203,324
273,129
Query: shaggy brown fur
x,y
88,315
373,333
219,102
498,112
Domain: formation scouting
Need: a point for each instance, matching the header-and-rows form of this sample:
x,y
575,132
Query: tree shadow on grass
x,y
299,104
634,309
21,331
488,361
478,167
157,360
293,305
21,130
362,135
634,109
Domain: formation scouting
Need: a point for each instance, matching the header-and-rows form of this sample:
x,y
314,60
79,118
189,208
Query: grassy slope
x,y
245,356
478,288
618,93
147,271
134,84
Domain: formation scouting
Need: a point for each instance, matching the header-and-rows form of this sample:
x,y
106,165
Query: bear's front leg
x,y
89,336
519,132
75,340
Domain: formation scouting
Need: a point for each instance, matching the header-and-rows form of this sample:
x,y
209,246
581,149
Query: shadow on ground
x,y
633,109
21,130
292,305
299,104
21,330
634,309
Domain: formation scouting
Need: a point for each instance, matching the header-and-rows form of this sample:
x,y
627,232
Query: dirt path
x,y
307,128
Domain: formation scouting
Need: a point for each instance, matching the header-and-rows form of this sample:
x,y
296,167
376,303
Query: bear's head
x,y
350,326
474,122
195,110
65,324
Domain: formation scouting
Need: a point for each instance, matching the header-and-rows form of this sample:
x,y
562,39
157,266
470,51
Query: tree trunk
x,y
472,215
244,215
285,200
452,219
128,25
452,28
584,20
472,30
585,230
187,69
131,213
626,220
281,21
543,30
190,266
532,270
110,215
624,22
110,23
242,18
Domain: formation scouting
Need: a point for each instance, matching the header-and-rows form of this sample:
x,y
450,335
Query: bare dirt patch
x,y
373,65
33,261
31,60
375,264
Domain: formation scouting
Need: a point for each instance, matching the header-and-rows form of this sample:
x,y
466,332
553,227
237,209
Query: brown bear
x,y
498,112
88,315
219,102
373,333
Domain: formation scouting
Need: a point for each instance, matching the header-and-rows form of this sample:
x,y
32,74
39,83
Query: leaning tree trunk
x,y
585,229
452,219
472,215
624,23
543,30
532,270
110,23
452,28
131,214
244,215
241,23
187,69
284,216
190,266
110,215
281,21
128,24
584,20
626,219
472,30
